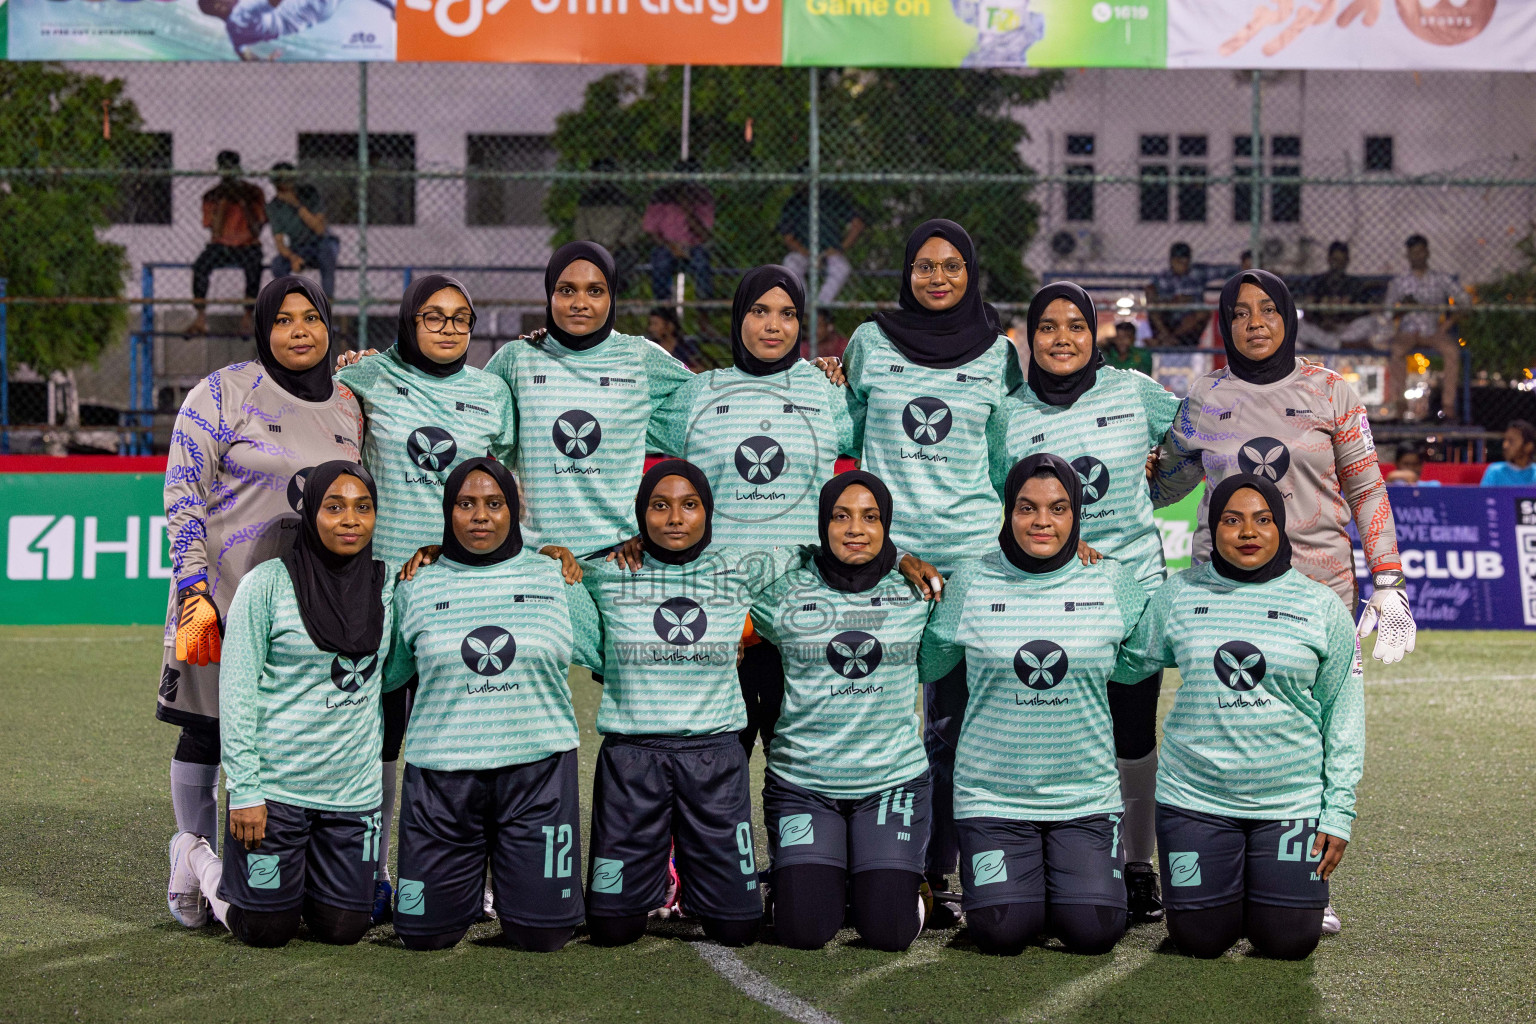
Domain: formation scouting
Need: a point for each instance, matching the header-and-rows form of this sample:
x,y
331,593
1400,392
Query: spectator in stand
x,y
1410,470
606,213
1120,350
665,330
1519,466
1245,261
1424,331
680,219
839,224
830,341
1335,286
1178,328
297,216
233,212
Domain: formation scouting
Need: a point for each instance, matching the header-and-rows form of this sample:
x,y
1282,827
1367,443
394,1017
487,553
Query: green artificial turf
x,y
1436,892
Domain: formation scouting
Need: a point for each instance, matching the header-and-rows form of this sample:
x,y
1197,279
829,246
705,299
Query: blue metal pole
x,y
5,375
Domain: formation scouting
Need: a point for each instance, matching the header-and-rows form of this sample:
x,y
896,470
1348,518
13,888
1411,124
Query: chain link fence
x,y
1149,188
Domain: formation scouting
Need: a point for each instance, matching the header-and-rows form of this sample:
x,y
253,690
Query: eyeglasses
x,y
924,269
435,322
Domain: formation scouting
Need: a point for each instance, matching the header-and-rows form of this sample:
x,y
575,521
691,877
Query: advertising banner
x,y
973,33
84,548
1414,35
1177,525
348,30
1469,554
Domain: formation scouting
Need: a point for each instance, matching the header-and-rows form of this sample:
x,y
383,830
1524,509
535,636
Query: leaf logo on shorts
x,y
431,448
263,871
680,621
1040,664
1239,665
927,420
1184,868
488,650
854,654
607,875
577,434
411,897
796,830
988,867
1265,458
349,675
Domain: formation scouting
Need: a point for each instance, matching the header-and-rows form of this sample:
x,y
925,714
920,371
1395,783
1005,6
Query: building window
x,y
1192,187
1080,196
1285,199
144,199
391,200
496,202
1378,153
1153,198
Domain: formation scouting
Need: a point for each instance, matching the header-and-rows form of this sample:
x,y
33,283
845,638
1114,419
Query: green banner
x,y
974,33
1177,525
84,548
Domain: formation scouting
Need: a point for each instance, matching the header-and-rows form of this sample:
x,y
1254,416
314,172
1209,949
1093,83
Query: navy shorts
x,y
1080,860
886,830
524,819
326,856
1208,861
652,790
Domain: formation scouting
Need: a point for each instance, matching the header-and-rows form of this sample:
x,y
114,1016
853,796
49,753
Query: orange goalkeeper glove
x,y
197,626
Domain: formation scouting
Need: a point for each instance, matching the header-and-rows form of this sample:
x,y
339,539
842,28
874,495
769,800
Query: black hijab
x,y
415,297
311,385
1021,472
840,575
1277,366
653,476
952,337
1222,494
759,281
564,256
340,597
1054,388
455,550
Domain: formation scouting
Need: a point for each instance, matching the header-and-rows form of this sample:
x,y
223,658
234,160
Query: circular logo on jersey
x,y
927,420
431,448
1040,664
1239,665
854,654
488,650
1265,458
1446,22
759,459
1094,476
680,621
296,488
577,434
350,674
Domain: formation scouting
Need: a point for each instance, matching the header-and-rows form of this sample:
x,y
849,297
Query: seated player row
x,y
1255,798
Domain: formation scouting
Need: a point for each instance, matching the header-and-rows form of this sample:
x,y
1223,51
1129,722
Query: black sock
x,y
809,901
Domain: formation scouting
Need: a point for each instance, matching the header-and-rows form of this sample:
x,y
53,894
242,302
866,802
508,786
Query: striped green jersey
x,y
1269,722
849,726
670,634
925,433
298,725
417,428
581,420
767,444
1106,435
492,645
1037,743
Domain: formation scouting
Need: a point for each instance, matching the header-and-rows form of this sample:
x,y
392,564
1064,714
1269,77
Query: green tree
x,y
1503,343
52,122
754,120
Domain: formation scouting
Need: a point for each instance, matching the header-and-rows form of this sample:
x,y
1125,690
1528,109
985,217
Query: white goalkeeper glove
x,y
1387,612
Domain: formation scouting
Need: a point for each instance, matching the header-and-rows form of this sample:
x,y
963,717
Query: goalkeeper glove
x,y
1387,612
197,626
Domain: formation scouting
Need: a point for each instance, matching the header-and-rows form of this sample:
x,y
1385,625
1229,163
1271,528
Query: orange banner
x,y
591,31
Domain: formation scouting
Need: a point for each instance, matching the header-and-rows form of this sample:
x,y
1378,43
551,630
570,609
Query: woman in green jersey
x,y
1105,422
1040,633
299,688
1266,740
490,629
846,795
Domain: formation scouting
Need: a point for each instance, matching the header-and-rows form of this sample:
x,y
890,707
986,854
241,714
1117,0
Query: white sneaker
x,y
183,894
1331,923
489,907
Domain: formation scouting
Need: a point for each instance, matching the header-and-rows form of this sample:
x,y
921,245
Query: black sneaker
x,y
1141,895
945,912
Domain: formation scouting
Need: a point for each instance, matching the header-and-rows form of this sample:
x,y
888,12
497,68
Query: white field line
x,y
1068,999
758,988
